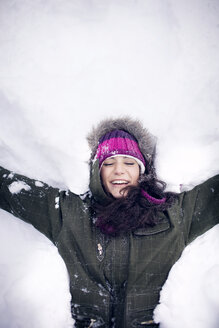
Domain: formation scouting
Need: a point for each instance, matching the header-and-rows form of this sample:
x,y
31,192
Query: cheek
x,y
136,180
135,175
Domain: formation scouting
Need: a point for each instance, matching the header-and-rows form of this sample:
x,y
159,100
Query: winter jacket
x,y
114,281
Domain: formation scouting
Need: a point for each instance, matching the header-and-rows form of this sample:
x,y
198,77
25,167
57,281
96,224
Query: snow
x,y
197,284
33,281
38,184
57,202
16,187
64,65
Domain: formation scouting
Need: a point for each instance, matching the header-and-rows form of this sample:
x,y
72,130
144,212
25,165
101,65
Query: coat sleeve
x,y
200,208
31,201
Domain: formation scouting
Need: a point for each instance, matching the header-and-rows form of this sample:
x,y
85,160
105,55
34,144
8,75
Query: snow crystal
x,y
102,294
83,196
16,187
39,184
11,175
85,290
105,148
67,192
86,194
76,305
57,202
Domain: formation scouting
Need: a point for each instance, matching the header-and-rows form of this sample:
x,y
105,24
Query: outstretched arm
x,y
31,201
201,206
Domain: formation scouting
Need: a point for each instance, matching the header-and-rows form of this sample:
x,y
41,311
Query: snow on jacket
x,y
114,281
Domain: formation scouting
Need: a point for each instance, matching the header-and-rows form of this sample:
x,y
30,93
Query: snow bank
x,y
192,287
33,278
64,65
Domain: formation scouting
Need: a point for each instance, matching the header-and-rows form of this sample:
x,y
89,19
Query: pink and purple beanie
x,y
119,142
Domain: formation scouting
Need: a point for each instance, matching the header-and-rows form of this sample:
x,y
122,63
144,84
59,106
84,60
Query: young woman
x,y
121,238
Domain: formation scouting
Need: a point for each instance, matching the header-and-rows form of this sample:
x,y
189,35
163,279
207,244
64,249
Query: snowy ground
x,y
64,65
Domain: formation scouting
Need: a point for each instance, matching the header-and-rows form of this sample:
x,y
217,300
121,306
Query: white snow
x,y
16,187
64,65
38,184
11,175
196,284
57,202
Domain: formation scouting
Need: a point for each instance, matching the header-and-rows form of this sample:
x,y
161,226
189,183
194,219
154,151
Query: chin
x,y
118,195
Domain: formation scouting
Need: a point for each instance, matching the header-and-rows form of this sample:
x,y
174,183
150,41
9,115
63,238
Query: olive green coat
x,y
114,281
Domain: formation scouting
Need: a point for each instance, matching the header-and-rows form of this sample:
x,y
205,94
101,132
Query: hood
x,y
146,141
96,187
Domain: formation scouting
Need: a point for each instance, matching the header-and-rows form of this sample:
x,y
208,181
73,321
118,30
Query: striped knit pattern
x,y
119,142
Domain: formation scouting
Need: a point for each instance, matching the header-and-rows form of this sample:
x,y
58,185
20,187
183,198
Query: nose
x,y
119,169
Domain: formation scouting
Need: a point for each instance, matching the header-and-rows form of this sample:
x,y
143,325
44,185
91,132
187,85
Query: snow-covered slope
x,y
64,65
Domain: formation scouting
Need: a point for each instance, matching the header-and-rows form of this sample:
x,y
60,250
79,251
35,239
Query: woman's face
x,y
119,172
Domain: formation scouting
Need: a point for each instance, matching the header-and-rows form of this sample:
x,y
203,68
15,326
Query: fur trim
x,y
146,141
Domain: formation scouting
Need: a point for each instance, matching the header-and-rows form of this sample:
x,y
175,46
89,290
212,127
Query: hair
x,y
133,211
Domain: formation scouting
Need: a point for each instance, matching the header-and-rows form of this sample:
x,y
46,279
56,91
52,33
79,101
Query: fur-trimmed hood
x,y
146,141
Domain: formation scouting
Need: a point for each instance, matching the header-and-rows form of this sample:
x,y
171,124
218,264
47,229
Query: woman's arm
x,y
200,208
31,201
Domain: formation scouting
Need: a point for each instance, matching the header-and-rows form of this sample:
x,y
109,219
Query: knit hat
x,y
117,143
146,142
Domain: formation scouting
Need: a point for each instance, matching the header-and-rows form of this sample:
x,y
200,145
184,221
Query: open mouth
x,y
119,182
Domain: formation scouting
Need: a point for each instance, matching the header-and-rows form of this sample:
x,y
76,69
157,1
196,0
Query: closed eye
x,y
107,164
